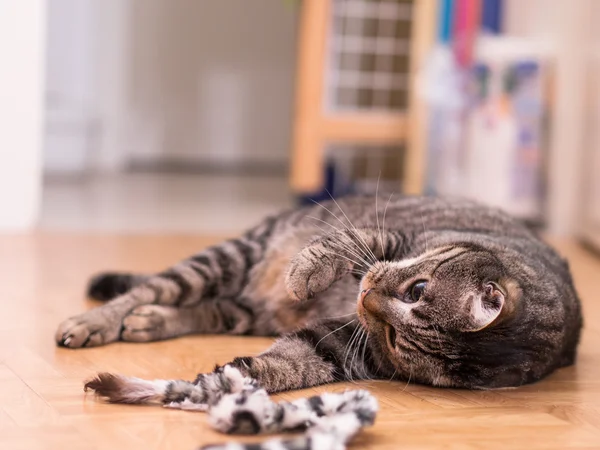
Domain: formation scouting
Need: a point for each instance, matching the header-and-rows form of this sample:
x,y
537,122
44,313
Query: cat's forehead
x,y
435,254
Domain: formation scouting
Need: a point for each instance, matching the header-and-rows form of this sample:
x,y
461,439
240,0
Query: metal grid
x,y
369,55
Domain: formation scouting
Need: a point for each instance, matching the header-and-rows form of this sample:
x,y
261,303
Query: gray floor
x,y
153,203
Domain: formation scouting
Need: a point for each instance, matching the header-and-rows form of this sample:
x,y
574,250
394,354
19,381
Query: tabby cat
x,y
438,291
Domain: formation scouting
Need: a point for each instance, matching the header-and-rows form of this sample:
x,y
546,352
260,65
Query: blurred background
x,y
198,116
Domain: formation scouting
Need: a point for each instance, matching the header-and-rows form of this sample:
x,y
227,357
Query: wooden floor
x,y
42,404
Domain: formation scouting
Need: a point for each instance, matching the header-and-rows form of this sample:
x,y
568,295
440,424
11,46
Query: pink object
x,y
466,23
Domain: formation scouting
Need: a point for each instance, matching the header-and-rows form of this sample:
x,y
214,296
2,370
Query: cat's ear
x,y
485,307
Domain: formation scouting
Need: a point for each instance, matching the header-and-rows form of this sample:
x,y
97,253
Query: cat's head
x,y
455,316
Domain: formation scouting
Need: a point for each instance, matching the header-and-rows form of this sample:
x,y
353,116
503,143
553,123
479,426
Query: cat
x,y
429,290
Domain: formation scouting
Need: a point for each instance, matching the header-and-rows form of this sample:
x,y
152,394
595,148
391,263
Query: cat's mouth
x,y
390,337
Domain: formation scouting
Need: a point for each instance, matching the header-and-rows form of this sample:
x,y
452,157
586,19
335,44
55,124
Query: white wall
x,y
71,98
213,79
590,209
22,46
183,80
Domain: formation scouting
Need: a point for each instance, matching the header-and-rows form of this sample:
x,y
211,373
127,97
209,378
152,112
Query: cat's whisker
x,y
360,368
347,258
384,212
360,274
424,233
343,245
353,248
362,271
344,225
356,330
349,245
378,366
338,317
325,222
377,216
347,350
365,374
337,329
347,248
355,351
366,250
331,234
325,232
366,246
356,263
347,353
408,381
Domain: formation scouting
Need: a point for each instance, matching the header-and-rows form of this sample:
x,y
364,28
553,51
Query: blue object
x,y
445,21
491,16
332,187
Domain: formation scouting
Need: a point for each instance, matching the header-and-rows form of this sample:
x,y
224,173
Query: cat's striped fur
x,y
498,307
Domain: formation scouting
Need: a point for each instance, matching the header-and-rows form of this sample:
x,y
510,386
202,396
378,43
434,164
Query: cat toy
x,y
238,405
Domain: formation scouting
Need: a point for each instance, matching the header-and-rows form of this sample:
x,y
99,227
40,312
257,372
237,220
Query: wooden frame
x,y
314,128
423,40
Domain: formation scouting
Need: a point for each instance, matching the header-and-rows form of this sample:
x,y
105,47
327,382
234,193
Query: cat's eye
x,y
416,292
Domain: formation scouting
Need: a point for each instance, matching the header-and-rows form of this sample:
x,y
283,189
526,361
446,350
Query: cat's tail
x,y
206,390
108,285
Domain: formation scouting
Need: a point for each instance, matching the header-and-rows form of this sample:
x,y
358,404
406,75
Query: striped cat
x,y
436,291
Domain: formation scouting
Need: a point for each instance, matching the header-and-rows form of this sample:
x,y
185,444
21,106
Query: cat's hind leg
x,y
216,273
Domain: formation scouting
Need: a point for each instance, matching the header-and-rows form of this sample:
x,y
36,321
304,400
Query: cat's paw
x,y
314,270
147,323
89,329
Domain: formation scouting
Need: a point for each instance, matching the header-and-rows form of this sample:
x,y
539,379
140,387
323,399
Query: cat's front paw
x,y
314,270
89,329
149,323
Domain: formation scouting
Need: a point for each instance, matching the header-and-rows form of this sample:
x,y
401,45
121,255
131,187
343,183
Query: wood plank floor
x,y
42,405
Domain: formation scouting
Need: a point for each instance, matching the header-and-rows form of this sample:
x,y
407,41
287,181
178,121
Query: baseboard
x,y
210,167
